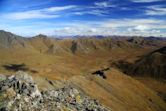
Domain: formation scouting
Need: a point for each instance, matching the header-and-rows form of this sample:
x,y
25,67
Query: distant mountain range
x,y
77,44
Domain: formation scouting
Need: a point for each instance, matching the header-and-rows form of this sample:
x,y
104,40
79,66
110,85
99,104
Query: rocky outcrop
x,y
20,93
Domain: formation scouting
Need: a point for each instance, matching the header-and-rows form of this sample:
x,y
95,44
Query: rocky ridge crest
x,y
20,93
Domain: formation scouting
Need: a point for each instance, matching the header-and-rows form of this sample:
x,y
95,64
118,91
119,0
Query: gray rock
x,y
2,77
23,76
27,97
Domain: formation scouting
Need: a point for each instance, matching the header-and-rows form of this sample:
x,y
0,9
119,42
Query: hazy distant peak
x,y
41,36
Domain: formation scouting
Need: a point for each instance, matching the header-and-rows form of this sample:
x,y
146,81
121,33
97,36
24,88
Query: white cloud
x,y
37,14
92,12
141,1
54,12
28,15
113,23
104,4
156,10
55,9
143,27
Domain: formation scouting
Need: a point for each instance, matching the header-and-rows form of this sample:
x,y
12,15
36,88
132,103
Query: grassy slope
x,y
66,64
158,86
120,92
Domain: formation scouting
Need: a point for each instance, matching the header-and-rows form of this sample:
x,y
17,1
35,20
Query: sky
x,y
84,17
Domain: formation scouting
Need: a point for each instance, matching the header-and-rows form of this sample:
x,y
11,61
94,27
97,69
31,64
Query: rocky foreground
x,y
20,93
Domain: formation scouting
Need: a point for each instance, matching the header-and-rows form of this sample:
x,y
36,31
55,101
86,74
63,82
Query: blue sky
x,y
84,17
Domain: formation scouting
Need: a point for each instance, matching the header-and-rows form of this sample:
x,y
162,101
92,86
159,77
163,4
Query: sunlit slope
x,y
120,92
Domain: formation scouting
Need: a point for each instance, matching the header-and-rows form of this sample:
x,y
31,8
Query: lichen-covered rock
x,y
23,76
2,77
10,93
21,83
20,93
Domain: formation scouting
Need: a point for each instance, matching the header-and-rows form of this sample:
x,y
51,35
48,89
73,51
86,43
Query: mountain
x,y
41,42
147,41
44,44
9,40
60,65
152,65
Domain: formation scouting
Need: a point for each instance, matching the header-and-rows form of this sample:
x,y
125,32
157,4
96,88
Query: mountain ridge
x,y
43,43
151,65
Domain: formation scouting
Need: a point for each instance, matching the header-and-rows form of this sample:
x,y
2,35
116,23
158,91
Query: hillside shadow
x,y
101,73
124,66
15,67
18,67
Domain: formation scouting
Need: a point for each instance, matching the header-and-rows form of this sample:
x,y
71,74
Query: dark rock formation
x,y
152,65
